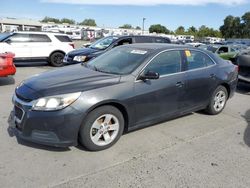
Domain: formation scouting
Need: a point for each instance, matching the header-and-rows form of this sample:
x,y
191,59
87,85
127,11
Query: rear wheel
x,y
102,128
218,101
56,59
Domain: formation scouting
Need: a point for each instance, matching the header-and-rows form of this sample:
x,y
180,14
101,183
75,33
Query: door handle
x,y
212,76
179,84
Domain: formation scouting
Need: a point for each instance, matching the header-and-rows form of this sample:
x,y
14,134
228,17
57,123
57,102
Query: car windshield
x,y
3,36
103,43
121,61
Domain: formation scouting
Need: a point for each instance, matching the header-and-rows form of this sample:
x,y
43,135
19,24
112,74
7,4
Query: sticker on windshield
x,y
188,53
141,52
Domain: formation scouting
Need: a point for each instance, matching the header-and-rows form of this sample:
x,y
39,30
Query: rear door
x,y
41,45
160,98
200,76
18,44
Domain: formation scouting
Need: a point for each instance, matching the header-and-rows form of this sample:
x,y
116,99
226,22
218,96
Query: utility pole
x,y
143,22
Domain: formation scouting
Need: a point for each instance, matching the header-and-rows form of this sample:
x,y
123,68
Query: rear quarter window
x,y
63,38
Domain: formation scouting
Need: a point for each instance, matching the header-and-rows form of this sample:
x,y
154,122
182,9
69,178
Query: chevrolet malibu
x,y
127,88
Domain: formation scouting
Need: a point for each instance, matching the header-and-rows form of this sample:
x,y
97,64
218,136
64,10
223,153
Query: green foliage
x,y
158,28
47,19
66,20
126,26
180,31
138,28
236,27
88,22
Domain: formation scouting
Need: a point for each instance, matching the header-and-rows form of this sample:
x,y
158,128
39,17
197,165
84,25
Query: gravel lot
x,y
196,150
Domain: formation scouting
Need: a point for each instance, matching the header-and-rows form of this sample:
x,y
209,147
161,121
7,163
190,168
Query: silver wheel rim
x,y
219,101
104,130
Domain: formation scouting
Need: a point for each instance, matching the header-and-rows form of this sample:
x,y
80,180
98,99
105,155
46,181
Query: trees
x,y
246,25
236,27
66,20
88,22
138,28
158,28
126,26
180,30
47,19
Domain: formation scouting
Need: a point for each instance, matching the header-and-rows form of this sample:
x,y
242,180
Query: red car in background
x,y
7,66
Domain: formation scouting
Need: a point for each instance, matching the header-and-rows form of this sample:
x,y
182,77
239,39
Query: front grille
x,y
18,113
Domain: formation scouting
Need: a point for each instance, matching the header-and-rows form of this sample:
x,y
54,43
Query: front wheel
x,y
218,101
56,59
102,128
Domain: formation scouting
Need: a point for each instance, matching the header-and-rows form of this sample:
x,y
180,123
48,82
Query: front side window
x,y
125,41
196,59
19,37
166,63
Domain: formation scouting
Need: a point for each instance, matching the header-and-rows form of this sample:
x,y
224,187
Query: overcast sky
x,y
114,13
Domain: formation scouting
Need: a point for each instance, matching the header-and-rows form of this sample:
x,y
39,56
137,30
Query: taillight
x,y
72,45
237,68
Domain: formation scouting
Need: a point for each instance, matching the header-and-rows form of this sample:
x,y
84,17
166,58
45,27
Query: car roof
x,y
40,32
159,46
124,36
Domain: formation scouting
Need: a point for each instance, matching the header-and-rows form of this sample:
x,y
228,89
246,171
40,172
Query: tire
x,y
218,101
56,59
99,131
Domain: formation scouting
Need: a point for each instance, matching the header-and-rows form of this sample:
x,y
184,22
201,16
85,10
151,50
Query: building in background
x,y
12,24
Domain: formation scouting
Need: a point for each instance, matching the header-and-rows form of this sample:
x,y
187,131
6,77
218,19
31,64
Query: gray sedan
x,y
124,89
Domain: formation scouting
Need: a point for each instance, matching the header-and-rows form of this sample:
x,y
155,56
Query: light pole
x,y
143,21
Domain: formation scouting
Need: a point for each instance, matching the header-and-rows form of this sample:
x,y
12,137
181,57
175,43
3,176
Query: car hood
x,y
82,51
65,80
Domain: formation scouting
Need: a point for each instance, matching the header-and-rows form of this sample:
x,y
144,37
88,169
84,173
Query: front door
x,y
160,98
18,44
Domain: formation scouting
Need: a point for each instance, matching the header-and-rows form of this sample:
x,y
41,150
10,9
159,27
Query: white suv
x,y
37,46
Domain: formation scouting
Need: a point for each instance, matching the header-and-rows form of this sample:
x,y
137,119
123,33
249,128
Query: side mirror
x,y
8,41
150,75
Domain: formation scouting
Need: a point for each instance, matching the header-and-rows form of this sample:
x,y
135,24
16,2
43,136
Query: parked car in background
x,y
243,61
226,52
7,66
34,46
107,43
127,88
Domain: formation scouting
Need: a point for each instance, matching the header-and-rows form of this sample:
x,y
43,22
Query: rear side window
x,y
39,38
166,63
196,60
63,38
143,40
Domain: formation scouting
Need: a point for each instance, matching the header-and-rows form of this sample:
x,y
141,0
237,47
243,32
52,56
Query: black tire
x,y
85,135
56,59
211,107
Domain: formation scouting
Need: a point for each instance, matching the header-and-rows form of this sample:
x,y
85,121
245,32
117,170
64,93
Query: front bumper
x,y
57,128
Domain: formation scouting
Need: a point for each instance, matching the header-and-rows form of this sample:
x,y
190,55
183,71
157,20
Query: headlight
x,y
57,102
80,58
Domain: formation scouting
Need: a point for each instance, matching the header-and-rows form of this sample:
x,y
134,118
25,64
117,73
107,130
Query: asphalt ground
x,y
196,150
